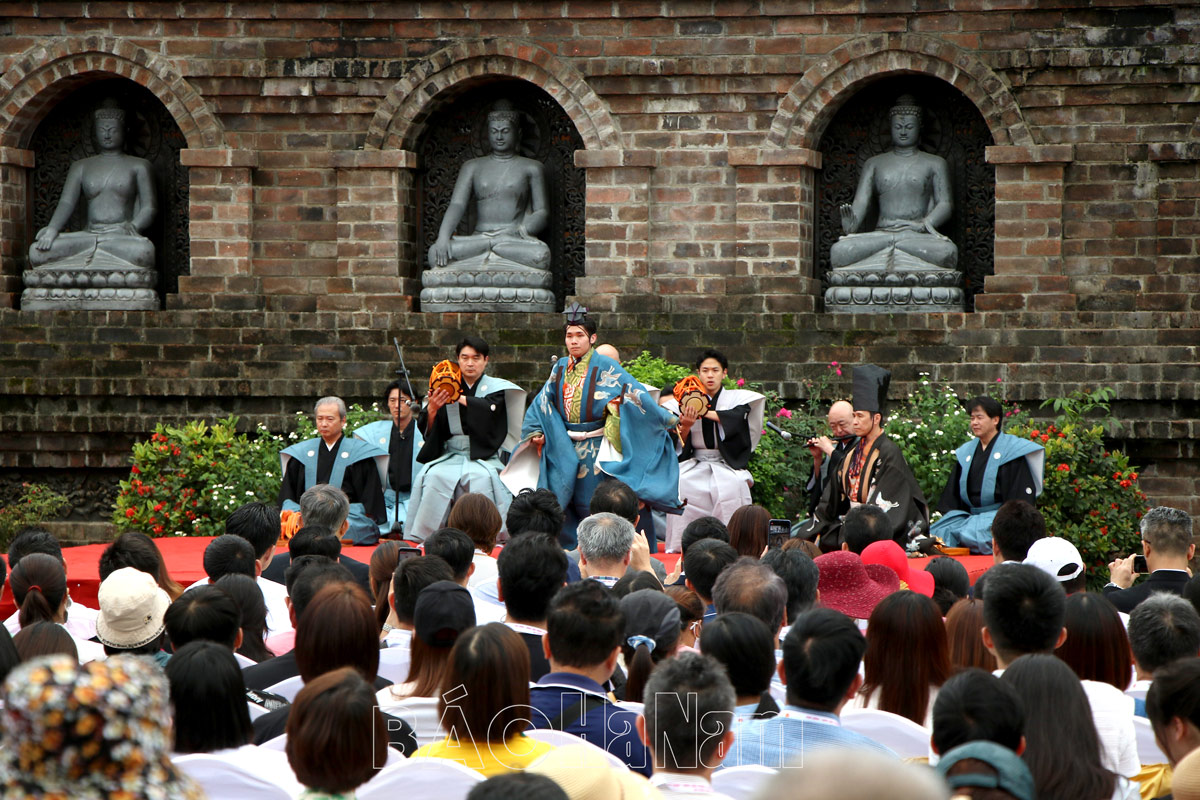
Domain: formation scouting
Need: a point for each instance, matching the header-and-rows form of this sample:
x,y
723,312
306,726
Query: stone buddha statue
x,y
501,265
110,263
905,251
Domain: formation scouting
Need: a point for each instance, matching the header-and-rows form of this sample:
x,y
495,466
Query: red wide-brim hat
x,y
891,555
848,585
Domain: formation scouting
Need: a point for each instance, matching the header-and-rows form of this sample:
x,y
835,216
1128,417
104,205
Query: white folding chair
x,y
225,779
564,739
1137,692
1148,749
421,777
905,737
421,713
393,663
256,710
279,743
741,783
243,661
630,705
288,688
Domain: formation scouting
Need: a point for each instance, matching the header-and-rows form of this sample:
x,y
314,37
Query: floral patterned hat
x,y
99,730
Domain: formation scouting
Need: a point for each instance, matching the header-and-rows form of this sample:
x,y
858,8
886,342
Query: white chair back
x,y
1147,747
421,777
419,712
564,739
1137,692
393,663
288,689
243,661
223,779
905,737
741,783
630,705
279,743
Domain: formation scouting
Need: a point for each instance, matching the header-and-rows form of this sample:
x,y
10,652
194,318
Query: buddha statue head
x,y
109,125
906,121
504,127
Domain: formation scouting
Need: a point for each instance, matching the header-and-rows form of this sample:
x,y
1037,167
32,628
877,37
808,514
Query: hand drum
x,y
690,394
446,375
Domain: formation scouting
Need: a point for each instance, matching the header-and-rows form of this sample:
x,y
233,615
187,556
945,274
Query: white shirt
x,y
248,772
1112,711
419,712
487,571
275,596
674,785
81,621
396,655
486,609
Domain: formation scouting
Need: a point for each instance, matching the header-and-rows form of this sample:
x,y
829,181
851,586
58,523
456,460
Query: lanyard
x,y
519,628
685,788
804,716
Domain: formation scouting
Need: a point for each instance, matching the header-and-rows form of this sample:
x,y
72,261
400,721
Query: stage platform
x,y
185,555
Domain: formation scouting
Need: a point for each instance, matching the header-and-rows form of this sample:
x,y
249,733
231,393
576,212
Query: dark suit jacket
x,y
1163,580
360,571
270,672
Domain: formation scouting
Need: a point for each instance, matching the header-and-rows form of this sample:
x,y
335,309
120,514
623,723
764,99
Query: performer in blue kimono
x,y
463,441
593,419
352,465
402,439
714,448
992,469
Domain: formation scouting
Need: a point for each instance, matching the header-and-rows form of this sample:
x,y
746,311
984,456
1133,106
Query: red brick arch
x,y
808,107
401,116
46,72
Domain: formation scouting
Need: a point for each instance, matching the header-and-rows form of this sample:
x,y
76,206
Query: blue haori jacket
x,y
1014,471
647,462
379,433
351,451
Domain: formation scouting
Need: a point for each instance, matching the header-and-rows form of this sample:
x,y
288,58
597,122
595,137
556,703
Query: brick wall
x,y
702,124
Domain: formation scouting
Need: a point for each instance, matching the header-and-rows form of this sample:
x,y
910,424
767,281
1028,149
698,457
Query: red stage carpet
x,y
184,557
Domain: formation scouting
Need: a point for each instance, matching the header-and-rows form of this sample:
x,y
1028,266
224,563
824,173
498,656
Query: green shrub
x,y
36,504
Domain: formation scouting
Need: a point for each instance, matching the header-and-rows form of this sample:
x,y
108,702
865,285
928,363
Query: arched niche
x,y
951,127
456,130
64,135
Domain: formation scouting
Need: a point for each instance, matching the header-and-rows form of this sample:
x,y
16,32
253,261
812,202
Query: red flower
x,y
1034,434
1115,507
157,529
1045,438
135,470
1104,530
158,507
1126,484
1093,513
1063,468
1133,476
129,512
1116,476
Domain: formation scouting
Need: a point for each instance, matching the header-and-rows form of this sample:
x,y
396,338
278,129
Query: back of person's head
x,y
229,554
864,525
855,774
911,623
477,516
614,497
635,580
704,562
1023,609
753,588
44,639
950,582
517,786
1062,748
584,625
314,541
258,524
383,565
491,663
1163,628
748,528
132,605
454,547
209,698
444,610
39,586
683,691
1097,647
535,510
820,658
605,537
691,609
975,705
532,568
1168,530
1015,527
800,576
703,528
410,577
964,623
651,636
312,578
336,735
297,565
130,549
32,540
746,646
324,508
205,612
1175,694
337,629
252,614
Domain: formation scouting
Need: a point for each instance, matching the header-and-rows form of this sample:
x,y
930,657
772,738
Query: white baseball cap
x,y
1055,556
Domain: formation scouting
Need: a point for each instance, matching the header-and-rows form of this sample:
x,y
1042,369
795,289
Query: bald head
x,y
840,415
608,350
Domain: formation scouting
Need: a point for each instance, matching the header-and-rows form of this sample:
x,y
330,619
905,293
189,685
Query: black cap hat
x,y
870,387
443,611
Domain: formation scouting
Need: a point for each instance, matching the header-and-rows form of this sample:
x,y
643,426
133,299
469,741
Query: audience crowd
x,y
521,670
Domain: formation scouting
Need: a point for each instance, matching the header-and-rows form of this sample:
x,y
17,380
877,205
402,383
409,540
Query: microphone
x,y
782,433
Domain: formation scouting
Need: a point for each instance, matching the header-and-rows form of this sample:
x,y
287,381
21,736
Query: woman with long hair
x,y
964,626
39,587
136,549
209,699
1097,645
489,706
691,616
910,623
383,565
252,609
651,635
1062,749
748,530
